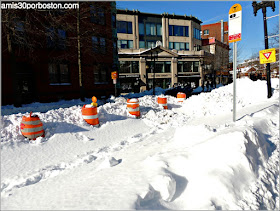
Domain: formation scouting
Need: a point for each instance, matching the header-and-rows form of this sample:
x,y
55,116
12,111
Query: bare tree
x,y
31,30
274,41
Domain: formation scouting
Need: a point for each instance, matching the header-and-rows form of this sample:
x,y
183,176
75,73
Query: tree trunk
x,y
82,91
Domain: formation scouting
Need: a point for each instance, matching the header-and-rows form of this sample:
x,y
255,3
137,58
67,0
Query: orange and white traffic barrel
x,y
90,115
181,96
31,127
162,101
133,107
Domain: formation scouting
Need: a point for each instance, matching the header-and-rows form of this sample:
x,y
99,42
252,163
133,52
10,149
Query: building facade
x,y
218,30
58,54
218,65
158,50
215,41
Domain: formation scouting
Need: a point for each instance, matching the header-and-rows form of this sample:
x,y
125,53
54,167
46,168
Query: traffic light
x,y
254,4
273,5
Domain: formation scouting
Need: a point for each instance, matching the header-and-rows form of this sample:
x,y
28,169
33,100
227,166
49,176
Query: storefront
x,y
129,83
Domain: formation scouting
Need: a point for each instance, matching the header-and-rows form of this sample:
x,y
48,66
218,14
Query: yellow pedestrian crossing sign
x,y
267,56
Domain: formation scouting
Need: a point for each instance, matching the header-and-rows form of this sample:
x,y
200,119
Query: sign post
x,y
114,76
234,35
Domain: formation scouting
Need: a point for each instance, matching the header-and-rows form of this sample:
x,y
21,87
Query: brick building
x,y
44,59
215,41
218,30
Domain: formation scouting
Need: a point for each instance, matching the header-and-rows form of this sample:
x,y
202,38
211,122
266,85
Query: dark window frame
x,y
183,29
58,74
56,38
97,15
98,74
124,27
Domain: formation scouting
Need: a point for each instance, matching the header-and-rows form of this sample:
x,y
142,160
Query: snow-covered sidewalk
x,y
191,156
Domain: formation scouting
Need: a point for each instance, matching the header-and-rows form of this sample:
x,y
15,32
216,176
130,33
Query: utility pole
x,y
263,5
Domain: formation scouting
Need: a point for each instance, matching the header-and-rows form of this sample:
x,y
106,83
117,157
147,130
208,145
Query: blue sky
x,y
212,12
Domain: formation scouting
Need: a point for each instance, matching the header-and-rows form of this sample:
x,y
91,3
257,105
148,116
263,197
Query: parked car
x,y
173,91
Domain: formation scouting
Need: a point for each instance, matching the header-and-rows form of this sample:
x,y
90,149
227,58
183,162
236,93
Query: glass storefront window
x,y
129,67
195,66
160,67
188,66
135,67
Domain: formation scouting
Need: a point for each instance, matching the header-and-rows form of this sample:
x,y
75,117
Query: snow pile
x,y
220,101
190,156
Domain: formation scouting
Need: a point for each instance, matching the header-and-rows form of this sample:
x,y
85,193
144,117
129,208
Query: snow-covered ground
x,y
191,156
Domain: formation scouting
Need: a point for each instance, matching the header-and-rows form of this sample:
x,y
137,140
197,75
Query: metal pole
x,y
154,75
234,80
269,91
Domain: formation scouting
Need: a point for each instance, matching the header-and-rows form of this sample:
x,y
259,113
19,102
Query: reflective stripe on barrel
x,y
133,107
90,115
181,96
162,101
31,127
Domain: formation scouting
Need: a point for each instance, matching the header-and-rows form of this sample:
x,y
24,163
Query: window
x,y
187,66
97,14
94,44
141,29
197,47
196,34
98,44
125,44
182,31
129,67
141,44
150,29
56,38
151,44
160,67
178,31
179,46
114,21
102,45
124,27
61,39
100,74
159,29
206,32
195,66
58,73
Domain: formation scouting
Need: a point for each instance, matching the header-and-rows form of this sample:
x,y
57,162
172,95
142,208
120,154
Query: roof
x,y
158,49
171,16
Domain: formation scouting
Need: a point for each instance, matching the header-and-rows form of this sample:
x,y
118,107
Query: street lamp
x,y
154,55
263,5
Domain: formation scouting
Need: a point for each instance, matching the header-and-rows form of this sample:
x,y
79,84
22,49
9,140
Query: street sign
x,y
114,75
234,23
267,56
114,81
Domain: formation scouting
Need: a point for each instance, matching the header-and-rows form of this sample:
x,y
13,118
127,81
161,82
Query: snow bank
x,y
220,101
161,161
